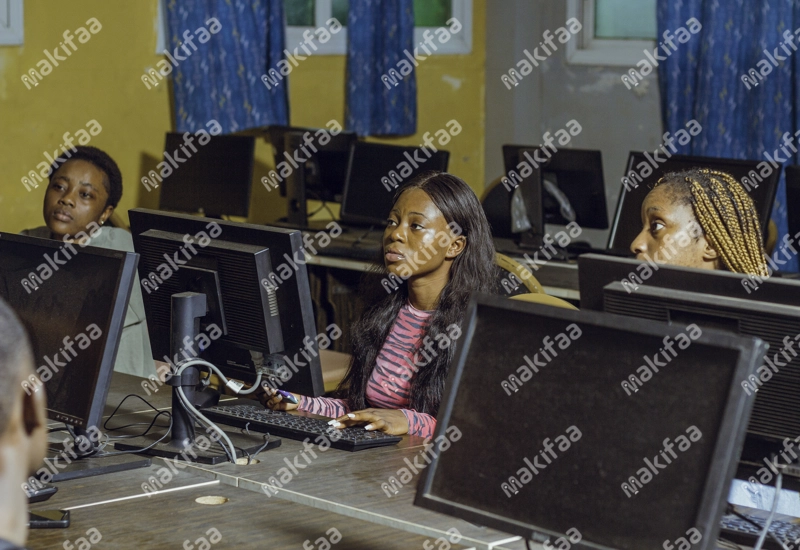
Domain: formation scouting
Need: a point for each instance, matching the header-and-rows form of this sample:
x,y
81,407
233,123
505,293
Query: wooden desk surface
x,y
172,519
340,486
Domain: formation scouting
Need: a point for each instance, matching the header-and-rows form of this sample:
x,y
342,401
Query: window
x,y
302,15
11,23
615,32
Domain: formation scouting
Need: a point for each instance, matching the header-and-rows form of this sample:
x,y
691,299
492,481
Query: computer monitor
x,y
321,177
573,189
561,446
326,170
375,172
793,199
596,271
235,295
214,180
681,296
265,299
72,301
628,218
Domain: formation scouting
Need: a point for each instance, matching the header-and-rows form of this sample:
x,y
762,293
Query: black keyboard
x,y
739,531
300,428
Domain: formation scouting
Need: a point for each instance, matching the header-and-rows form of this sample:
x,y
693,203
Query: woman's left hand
x,y
391,421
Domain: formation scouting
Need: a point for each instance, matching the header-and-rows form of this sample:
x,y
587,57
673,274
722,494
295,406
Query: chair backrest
x,y
515,278
545,299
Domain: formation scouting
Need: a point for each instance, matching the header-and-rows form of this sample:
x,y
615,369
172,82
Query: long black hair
x,y
472,270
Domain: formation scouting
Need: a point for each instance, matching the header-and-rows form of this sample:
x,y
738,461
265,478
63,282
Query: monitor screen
x,y
555,441
573,187
214,180
74,315
628,219
376,171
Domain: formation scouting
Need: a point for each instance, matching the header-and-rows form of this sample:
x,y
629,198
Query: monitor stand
x,y
187,309
68,464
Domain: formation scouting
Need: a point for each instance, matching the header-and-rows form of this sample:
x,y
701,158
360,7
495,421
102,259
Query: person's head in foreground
x,y
83,190
23,437
701,218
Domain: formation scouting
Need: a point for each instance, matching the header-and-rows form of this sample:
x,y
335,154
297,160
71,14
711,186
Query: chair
x,y
515,278
519,284
545,299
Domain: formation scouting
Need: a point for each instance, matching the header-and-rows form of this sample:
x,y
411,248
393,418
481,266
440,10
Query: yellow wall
x,y
101,81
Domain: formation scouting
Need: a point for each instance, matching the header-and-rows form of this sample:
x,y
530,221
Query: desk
x,y
337,489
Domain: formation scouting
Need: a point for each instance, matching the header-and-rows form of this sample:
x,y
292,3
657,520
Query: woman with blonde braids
x,y
701,218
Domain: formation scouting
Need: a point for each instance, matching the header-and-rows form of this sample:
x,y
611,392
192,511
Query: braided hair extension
x,y
727,215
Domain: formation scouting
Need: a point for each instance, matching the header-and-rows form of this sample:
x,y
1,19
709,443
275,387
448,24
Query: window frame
x,y
12,30
459,44
588,50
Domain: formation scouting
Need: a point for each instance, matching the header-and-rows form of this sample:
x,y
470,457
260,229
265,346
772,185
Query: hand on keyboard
x,y
271,399
390,421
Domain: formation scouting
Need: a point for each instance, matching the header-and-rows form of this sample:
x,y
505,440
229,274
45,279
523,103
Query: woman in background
x,y
701,218
84,188
438,241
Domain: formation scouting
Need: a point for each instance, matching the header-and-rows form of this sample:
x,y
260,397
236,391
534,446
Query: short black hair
x,y
102,161
15,354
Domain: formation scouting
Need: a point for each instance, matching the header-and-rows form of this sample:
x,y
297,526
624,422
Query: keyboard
x,y
741,532
300,428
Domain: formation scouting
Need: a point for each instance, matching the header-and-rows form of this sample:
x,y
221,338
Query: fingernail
x,y
351,415
369,427
334,423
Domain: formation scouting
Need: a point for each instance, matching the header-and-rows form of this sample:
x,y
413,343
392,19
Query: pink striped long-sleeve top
x,y
390,382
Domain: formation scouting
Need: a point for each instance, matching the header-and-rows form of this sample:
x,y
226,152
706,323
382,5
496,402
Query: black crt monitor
x,y
252,285
793,199
573,187
322,175
72,301
565,448
627,222
726,301
214,180
375,172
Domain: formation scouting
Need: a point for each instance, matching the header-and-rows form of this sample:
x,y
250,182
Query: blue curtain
x,y
222,79
702,80
381,100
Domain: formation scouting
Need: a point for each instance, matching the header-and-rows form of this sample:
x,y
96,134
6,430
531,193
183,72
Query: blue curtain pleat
x,y
702,80
222,79
379,34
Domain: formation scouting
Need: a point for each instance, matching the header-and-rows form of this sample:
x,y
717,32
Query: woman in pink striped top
x,y
438,249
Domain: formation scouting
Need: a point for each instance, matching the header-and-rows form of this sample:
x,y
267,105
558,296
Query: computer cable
x,y
230,451
771,516
325,206
362,237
